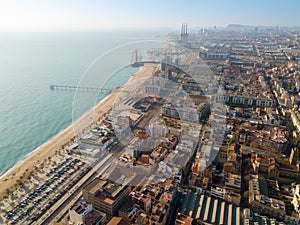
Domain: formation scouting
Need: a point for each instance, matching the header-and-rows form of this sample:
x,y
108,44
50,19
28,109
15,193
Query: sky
x,y
90,14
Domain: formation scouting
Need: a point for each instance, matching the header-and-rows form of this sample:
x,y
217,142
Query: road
x,y
153,113
67,198
60,208
267,79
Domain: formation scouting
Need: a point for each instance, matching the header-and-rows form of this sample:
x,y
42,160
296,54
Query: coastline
x,y
53,145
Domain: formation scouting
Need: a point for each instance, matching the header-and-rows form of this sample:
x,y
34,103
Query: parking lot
x,y
60,180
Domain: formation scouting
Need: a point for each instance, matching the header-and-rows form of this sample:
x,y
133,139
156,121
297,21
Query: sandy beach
x,y
54,145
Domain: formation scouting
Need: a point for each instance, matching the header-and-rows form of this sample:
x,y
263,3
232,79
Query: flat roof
x,y
117,221
106,189
211,210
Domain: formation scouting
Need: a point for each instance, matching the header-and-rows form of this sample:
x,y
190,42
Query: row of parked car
x,y
43,197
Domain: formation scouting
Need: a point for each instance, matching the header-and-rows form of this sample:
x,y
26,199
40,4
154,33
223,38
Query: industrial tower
x,y
184,34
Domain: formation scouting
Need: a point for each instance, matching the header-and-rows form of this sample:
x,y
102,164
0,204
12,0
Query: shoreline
x,y
63,130
68,126
53,145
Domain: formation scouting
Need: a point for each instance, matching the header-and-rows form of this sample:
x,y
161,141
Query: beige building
x,y
105,195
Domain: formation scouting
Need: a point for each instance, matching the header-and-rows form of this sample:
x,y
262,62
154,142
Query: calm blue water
x,y
30,113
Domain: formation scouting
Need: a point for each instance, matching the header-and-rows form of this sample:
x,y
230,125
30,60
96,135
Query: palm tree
x,y
4,211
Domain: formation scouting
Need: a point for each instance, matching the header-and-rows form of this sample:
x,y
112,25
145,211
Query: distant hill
x,y
247,27
239,26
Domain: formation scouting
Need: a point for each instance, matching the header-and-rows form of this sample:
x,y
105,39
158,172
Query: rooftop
x,y
106,189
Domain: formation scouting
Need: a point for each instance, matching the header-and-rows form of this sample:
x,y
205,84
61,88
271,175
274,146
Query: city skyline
x,y
30,15
150,112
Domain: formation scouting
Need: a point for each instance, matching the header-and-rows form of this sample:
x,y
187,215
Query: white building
x,y
296,197
79,212
158,130
218,192
295,115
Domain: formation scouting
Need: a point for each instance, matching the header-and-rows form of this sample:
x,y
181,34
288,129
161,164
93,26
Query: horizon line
x,y
192,27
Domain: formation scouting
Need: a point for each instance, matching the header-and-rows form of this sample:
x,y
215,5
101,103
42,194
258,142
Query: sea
x,y
30,112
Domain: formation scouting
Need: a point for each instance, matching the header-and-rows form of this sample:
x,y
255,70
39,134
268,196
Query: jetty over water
x,y
75,88
136,61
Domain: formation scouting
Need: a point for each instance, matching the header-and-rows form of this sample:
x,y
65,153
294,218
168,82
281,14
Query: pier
x,y
75,88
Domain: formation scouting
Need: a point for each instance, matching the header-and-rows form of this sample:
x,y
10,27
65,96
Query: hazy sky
x,y
73,14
